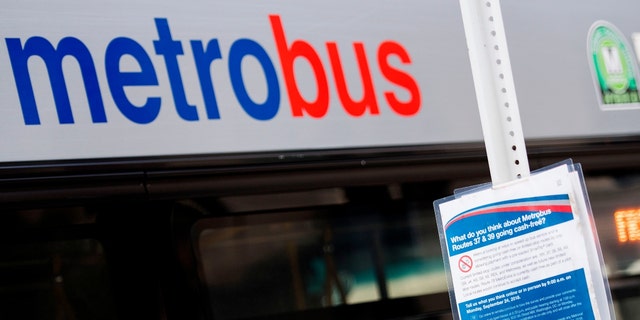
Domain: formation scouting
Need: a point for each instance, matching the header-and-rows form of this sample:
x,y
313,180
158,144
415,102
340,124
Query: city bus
x,y
280,159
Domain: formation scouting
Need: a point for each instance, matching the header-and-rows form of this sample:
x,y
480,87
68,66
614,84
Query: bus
x,y
280,159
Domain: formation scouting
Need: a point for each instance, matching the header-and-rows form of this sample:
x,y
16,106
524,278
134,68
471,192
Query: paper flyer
x,y
525,250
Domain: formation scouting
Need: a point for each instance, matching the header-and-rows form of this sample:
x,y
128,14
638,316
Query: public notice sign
x,y
525,250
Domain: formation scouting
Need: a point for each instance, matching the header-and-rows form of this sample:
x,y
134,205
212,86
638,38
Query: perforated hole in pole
x,y
504,97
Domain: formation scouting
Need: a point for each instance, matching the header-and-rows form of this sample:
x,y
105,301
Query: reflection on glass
x,y
54,280
266,264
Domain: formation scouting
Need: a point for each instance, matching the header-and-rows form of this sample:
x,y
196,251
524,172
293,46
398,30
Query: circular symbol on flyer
x,y
465,264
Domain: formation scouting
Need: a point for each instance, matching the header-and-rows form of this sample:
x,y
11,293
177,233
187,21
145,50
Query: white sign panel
x,y
525,250
96,79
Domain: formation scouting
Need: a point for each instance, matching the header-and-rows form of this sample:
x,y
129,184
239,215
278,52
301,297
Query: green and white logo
x,y
614,67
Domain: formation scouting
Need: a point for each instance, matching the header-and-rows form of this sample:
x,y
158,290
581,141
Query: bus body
x,y
245,160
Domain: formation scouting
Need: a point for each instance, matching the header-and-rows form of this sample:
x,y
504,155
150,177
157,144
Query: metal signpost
x,y
510,248
495,90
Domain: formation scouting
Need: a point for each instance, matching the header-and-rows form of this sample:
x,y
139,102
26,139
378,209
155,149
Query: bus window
x,y
322,255
52,268
615,204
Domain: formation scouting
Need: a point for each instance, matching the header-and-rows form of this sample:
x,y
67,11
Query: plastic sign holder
x,y
528,250
525,245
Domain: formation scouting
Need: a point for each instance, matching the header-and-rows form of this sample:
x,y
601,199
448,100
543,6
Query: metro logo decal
x,y
172,50
613,67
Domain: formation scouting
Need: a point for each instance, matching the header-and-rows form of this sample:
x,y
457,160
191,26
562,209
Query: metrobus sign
x,y
203,56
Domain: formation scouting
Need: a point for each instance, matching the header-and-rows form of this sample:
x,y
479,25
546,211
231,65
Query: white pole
x,y
495,90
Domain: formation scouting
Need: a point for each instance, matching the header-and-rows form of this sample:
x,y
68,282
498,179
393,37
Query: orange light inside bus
x,y
628,225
